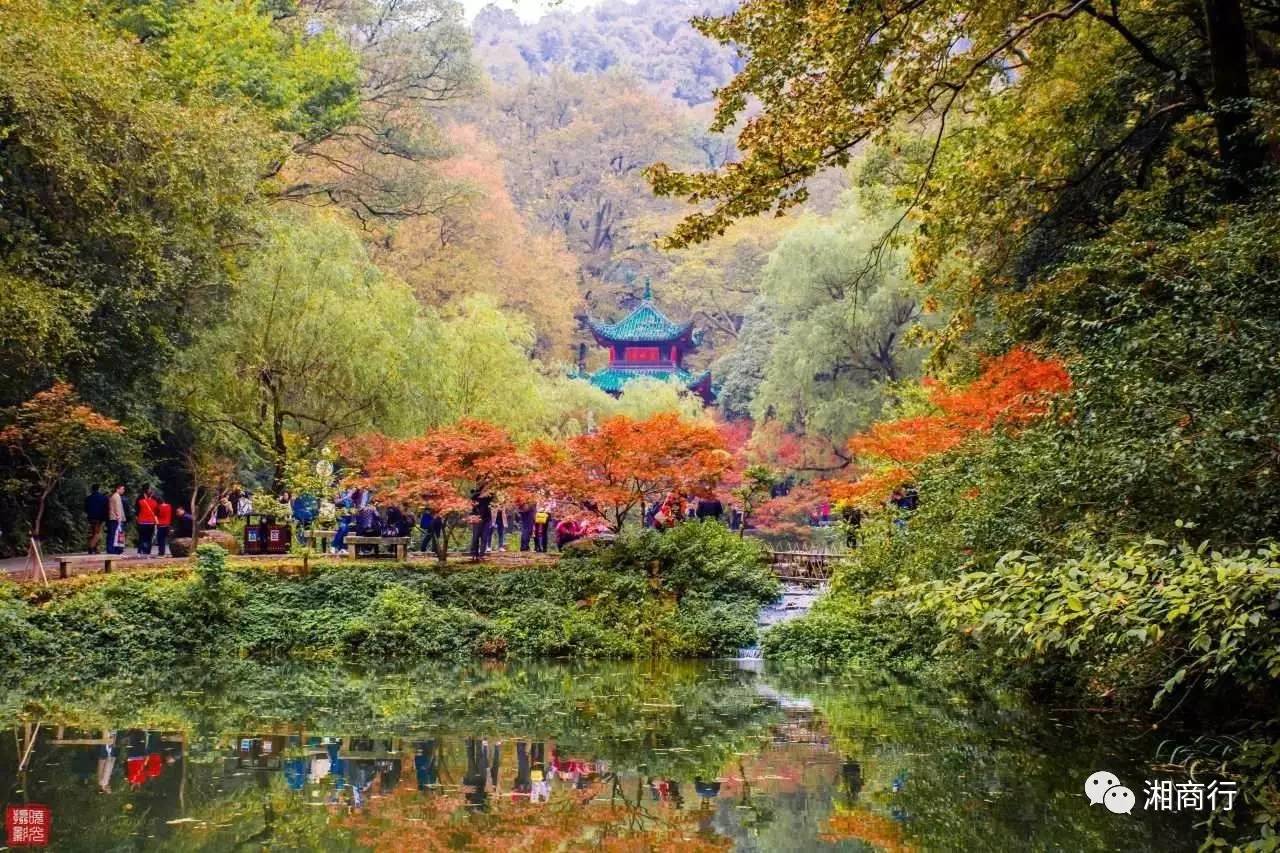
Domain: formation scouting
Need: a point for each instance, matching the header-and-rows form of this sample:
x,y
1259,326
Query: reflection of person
x,y
106,762
523,781
540,785
425,766
473,781
851,781
708,790
495,759
143,760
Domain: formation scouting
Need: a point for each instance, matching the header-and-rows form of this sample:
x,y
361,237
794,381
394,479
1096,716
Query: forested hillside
x,y
651,40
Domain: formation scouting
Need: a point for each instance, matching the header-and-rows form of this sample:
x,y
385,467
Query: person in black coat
x,y
710,508
95,511
482,509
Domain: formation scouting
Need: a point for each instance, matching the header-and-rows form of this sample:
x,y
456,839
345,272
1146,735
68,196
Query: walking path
x,y
15,568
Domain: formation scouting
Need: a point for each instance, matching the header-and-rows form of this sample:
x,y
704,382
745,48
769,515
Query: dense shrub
x,y
401,624
1151,620
693,591
842,631
703,559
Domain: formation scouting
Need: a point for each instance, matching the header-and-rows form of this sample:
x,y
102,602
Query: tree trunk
x,y
39,520
195,515
1238,144
279,450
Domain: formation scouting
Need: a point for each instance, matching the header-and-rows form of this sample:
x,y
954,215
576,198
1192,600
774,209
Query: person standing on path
x,y
482,511
498,542
541,520
146,522
115,520
97,513
164,518
528,512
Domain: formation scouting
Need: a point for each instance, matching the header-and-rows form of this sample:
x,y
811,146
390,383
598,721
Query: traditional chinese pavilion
x,y
647,343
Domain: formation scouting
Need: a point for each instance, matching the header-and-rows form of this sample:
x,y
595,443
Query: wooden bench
x,y
68,559
400,543
320,539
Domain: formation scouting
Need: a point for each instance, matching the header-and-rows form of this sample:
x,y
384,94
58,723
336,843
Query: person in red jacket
x,y
164,518
146,521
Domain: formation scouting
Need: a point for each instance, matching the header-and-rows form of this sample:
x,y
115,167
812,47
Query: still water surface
x,y
514,757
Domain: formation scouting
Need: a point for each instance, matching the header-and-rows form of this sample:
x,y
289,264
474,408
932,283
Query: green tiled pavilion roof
x,y
645,324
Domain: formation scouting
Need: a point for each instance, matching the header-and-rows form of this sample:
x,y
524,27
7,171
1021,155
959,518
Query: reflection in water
x,y
538,757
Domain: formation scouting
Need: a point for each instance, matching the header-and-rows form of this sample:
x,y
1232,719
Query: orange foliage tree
x,y
1014,390
444,470
790,515
627,465
51,434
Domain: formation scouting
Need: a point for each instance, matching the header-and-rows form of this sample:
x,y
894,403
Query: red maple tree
x,y
1014,390
627,465
445,470
51,434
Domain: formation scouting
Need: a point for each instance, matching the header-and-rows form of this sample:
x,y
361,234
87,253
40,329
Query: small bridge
x,y
803,567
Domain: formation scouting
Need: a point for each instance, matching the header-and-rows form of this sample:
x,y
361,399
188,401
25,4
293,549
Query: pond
x,y
712,756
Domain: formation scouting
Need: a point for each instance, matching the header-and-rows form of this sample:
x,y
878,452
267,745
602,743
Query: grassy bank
x,y
693,592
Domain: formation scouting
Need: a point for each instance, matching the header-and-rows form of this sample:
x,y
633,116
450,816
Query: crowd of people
x,y
157,521
493,521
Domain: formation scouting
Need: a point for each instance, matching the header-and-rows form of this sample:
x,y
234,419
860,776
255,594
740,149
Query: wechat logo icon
x,y
1104,788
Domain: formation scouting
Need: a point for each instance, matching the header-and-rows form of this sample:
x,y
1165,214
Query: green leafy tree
x,y
830,77
317,342
118,205
841,332
756,488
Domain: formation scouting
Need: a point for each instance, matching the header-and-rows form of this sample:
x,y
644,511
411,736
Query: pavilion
x,y
647,343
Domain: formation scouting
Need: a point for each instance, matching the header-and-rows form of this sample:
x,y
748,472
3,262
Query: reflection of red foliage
x,y
406,822
865,825
1014,390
